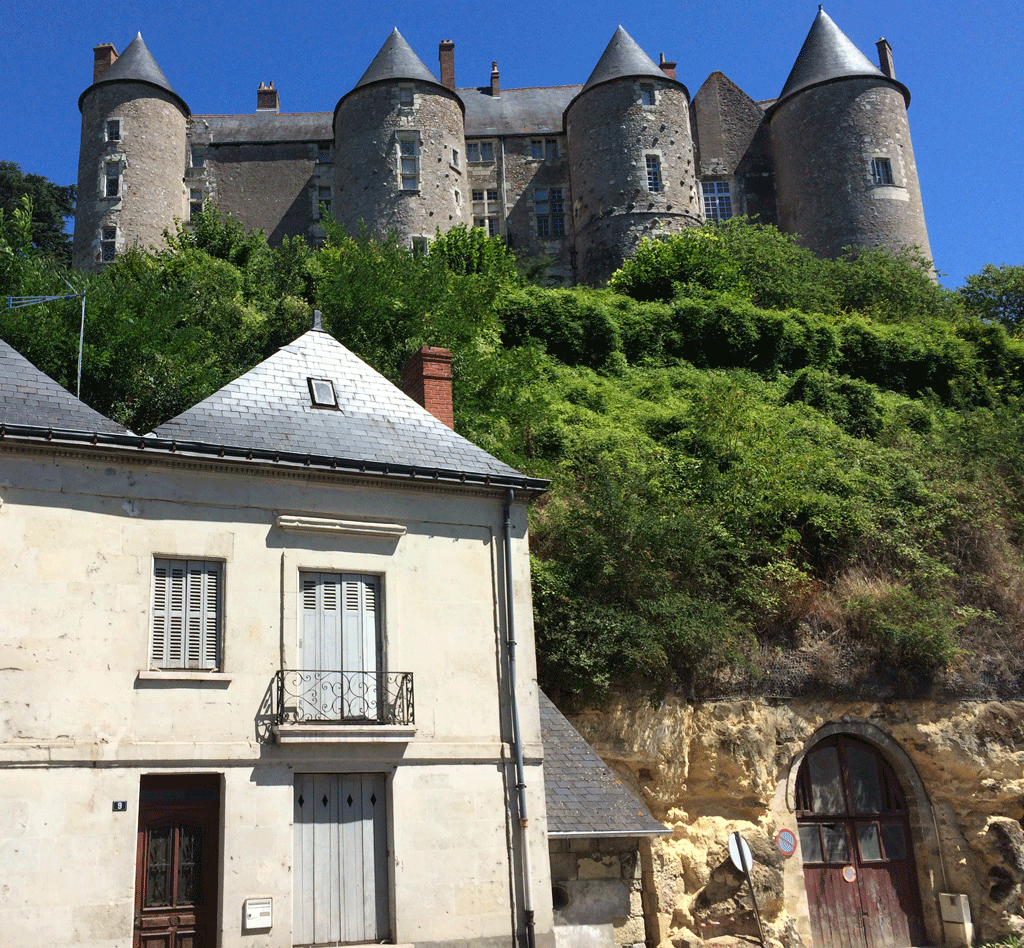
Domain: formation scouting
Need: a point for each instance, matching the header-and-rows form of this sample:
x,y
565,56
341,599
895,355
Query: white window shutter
x,y
186,614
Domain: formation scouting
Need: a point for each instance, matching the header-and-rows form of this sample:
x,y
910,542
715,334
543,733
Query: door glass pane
x,y
837,847
894,838
867,837
826,782
810,843
189,865
158,866
865,788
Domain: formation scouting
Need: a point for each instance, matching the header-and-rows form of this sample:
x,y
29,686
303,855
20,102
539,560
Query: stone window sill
x,y
183,674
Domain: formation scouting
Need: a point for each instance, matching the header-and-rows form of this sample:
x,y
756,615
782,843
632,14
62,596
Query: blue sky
x,y
963,63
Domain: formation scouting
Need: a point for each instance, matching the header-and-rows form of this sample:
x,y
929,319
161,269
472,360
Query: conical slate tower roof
x,y
622,57
361,416
396,60
34,400
829,54
136,64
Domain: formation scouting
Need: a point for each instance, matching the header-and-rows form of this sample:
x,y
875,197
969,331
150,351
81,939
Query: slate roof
x,y
622,57
136,64
396,60
536,111
262,128
32,399
584,797
829,54
269,409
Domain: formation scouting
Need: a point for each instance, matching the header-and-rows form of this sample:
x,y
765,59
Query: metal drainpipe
x,y
516,739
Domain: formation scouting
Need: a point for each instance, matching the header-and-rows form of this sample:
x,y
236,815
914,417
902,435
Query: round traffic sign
x,y
739,852
785,842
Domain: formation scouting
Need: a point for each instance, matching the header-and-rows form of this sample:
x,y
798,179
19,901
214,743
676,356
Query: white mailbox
x,y
259,914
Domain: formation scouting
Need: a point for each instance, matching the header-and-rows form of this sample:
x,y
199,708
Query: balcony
x,y
311,705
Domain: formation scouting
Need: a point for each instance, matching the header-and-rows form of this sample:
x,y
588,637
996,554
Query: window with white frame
x,y
195,202
653,172
113,130
479,151
647,94
409,160
112,179
323,199
108,244
187,622
717,200
881,171
549,206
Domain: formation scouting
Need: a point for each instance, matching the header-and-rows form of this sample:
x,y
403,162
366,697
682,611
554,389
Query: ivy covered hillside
x,y
771,474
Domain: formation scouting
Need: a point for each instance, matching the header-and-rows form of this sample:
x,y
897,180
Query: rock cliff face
x,y
708,769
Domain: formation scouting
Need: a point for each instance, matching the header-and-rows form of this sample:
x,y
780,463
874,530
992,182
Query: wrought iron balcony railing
x,y
308,696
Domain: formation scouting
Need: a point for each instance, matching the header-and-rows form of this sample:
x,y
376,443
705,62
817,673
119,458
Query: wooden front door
x,y
176,869
862,889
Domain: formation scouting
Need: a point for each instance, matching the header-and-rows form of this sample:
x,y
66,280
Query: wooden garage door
x,y
859,871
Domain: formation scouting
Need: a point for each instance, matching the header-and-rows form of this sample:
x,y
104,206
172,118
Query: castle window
x,y
195,202
197,158
478,195
323,155
108,244
479,151
420,245
455,157
487,211
717,200
492,195
646,94
113,130
881,171
549,207
653,173
405,96
490,223
113,180
541,148
409,161
323,196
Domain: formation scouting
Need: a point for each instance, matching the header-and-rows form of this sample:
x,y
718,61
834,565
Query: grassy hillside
x,y
770,474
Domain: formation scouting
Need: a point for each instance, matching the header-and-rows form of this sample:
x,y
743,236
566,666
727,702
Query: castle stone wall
x,y
150,157
610,134
369,124
826,193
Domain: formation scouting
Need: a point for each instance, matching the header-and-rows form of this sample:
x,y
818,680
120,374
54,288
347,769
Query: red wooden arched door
x,y
862,888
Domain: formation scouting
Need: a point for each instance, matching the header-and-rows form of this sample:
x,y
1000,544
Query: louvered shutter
x,y
186,614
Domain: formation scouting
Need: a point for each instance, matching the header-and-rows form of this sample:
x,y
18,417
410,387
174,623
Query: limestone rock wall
x,y
706,770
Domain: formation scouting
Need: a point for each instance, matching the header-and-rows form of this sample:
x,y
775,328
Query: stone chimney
x,y
267,99
427,379
885,58
495,85
103,58
668,68
446,53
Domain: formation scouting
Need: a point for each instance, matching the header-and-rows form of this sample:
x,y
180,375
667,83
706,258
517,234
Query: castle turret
x,y
399,149
844,163
132,156
630,156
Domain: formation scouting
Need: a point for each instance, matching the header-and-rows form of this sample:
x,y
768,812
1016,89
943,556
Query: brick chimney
x,y
495,85
427,379
103,58
668,68
885,58
446,53
267,98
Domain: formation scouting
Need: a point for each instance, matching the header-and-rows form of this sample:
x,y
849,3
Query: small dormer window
x,y
321,391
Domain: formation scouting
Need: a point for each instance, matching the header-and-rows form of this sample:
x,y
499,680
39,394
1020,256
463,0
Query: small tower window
x,y
197,158
323,155
881,171
717,200
113,180
195,202
405,97
108,244
323,195
647,94
113,130
409,162
455,158
653,173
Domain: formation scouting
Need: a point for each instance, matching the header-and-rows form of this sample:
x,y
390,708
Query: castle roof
x,y
584,797
32,399
829,54
622,57
535,111
360,418
396,60
136,64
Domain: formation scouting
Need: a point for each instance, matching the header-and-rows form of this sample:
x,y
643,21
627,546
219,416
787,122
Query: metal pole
x,y
81,341
753,898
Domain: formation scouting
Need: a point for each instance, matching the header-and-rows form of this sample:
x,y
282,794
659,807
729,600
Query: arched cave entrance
x,y
855,839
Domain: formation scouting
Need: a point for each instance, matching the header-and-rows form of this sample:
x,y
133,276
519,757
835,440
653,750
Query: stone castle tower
x,y
577,174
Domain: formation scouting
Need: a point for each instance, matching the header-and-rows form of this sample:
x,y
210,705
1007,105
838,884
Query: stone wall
x,y
150,157
826,193
706,770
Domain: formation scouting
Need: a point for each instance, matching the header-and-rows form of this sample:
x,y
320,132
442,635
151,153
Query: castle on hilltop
x,y
577,173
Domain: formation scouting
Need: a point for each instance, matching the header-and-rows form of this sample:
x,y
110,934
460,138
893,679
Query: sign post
x,y
739,853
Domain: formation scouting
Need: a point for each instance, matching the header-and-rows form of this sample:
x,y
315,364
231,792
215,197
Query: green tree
x,y
996,294
52,206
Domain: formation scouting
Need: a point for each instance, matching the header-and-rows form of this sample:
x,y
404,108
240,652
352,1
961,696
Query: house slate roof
x,y
32,399
829,54
536,111
622,57
269,409
584,797
136,64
